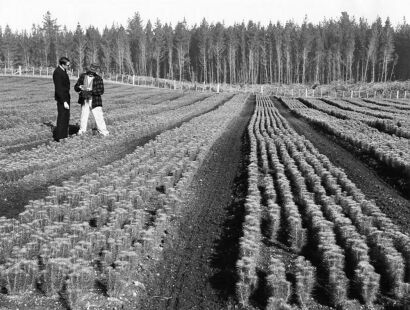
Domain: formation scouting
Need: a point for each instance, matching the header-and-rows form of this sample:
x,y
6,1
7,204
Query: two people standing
x,y
90,87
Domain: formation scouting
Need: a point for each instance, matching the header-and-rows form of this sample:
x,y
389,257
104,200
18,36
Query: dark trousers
x,y
63,118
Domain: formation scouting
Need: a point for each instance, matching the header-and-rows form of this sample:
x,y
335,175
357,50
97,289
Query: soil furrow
x,y
189,276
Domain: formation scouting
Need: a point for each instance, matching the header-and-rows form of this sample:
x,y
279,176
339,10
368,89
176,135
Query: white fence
x,y
279,91
328,92
145,81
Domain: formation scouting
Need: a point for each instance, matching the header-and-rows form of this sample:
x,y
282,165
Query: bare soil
x,y
198,268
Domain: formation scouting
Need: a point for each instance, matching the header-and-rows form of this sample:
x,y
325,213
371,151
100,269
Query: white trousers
x,y
98,116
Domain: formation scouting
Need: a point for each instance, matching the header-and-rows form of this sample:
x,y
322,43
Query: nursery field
x,y
204,201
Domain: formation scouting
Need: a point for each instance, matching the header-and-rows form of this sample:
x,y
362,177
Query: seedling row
x,y
343,247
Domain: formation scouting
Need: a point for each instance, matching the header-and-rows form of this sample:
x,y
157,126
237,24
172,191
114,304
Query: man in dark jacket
x,y
62,96
90,87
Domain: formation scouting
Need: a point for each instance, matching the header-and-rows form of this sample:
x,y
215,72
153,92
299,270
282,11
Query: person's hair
x,y
63,60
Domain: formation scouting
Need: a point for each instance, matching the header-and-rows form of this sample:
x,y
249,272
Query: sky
x,y
20,15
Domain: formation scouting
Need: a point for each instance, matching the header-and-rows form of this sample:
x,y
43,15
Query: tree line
x,y
342,49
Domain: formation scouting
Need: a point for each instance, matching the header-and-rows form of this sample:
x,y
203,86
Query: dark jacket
x,y
61,85
97,91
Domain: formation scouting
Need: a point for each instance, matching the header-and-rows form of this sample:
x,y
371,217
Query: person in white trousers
x,y
90,87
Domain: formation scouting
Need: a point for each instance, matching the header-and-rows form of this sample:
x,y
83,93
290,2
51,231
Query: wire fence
x,y
296,90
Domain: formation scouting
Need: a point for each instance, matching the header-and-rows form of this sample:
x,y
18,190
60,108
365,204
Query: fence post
x,y
217,88
19,70
397,97
306,93
351,94
405,94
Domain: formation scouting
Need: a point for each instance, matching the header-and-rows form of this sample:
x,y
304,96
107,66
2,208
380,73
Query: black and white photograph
x,y
213,155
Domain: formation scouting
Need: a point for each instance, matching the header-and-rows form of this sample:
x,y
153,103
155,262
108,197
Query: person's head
x,y
64,62
94,67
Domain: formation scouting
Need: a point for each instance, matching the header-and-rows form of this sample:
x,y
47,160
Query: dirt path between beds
x,y
198,268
